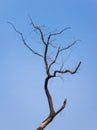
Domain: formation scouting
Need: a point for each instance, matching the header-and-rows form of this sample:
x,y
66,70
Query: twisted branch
x,y
67,71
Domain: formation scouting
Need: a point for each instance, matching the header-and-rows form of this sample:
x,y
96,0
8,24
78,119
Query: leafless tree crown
x,y
49,62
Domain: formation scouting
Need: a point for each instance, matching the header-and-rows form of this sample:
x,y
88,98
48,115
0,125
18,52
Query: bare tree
x,y
49,62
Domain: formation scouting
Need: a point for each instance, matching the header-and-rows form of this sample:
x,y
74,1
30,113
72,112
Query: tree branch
x,y
23,39
57,54
45,60
40,31
53,114
57,33
51,117
44,42
49,98
69,46
67,71
62,107
59,51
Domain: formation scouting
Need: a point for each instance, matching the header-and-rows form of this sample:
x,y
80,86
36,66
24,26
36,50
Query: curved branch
x,y
40,31
52,111
49,98
23,39
57,54
46,45
66,71
69,46
51,117
57,33
62,107
61,50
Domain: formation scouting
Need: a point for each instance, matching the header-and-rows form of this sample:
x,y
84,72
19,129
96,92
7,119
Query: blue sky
x,y
23,103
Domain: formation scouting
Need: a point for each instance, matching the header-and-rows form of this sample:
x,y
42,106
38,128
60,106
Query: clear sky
x,y
23,104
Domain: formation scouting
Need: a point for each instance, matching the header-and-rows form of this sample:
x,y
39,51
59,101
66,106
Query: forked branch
x,y
56,33
60,50
40,31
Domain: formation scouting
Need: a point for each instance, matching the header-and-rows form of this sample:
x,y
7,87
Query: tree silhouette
x,y
49,62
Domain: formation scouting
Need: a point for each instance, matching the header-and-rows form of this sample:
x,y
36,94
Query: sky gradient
x,y
23,104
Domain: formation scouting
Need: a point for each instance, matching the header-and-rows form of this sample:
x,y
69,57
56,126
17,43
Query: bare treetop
x,y
49,62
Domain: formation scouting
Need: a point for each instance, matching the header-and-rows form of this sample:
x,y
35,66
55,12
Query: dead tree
x,y
49,62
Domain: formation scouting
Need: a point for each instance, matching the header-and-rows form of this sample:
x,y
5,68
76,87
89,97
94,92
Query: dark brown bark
x,y
52,111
